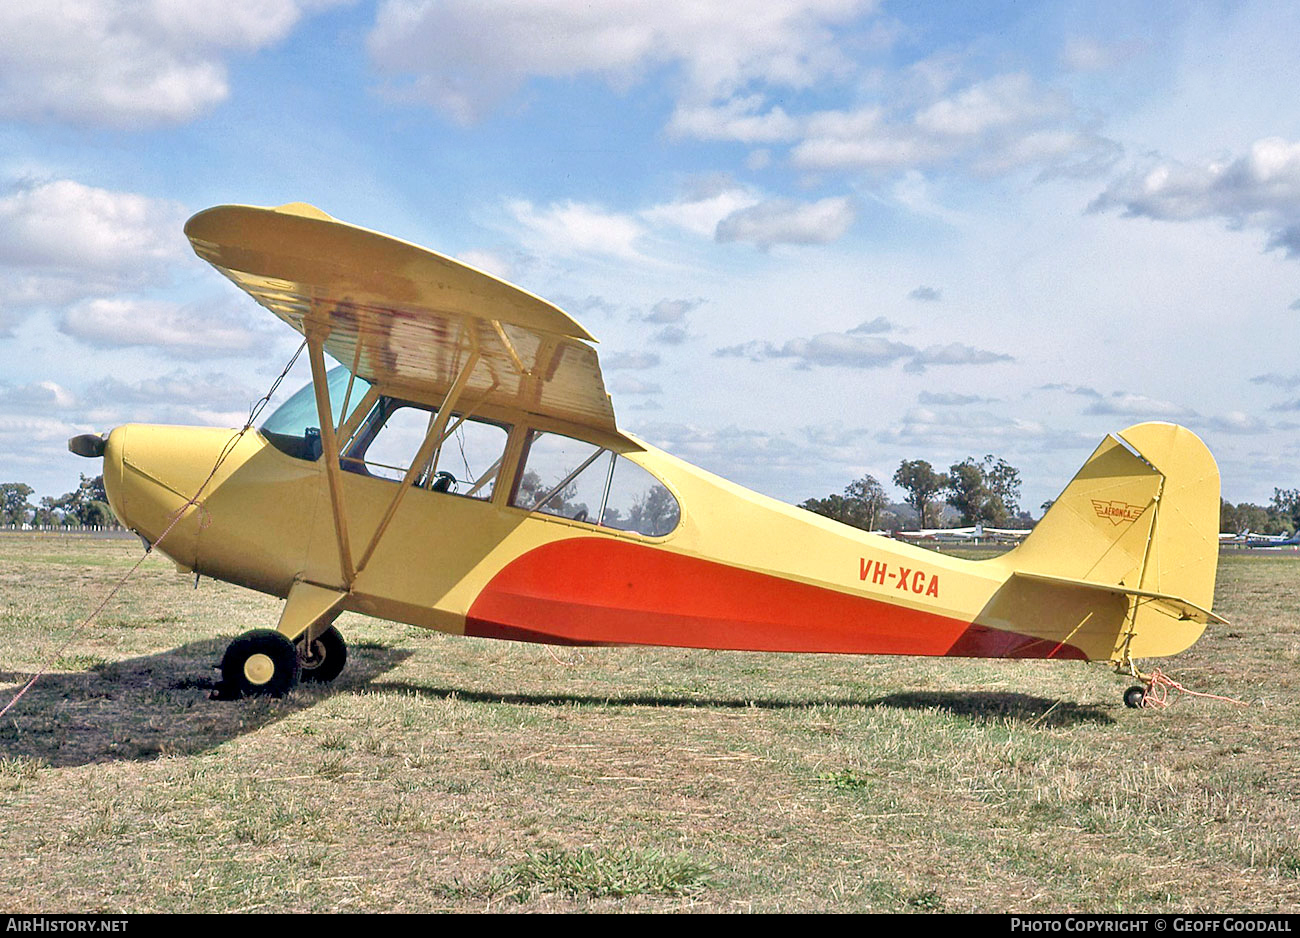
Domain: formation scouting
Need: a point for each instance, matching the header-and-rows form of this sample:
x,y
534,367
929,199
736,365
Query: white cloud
x,y
885,148
838,348
207,391
966,431
18,431
1286,382
791,465
738,119
1058,151
948,399
671,311
954,353
635,361
873,326
464,56
671,335
1124,404
996,125
186,330
120,63
785,221
700,213
1237,422
589,305
1084,54
488,262
37,419
1003,101
61,239
762,451
41,396
855,349
1260,189
577,228
626,384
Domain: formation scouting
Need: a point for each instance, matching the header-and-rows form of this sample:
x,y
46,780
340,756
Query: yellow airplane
x,y
461,470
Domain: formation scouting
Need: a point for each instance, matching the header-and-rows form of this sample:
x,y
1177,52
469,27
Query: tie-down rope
x,y
1159,684
204,520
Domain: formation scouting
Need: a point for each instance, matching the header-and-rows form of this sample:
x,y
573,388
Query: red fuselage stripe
x,y
606,592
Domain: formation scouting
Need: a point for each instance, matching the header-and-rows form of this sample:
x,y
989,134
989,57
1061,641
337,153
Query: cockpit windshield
x,y
294,428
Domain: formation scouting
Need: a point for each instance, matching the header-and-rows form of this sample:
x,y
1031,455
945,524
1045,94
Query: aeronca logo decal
x,y
907,579
1117,512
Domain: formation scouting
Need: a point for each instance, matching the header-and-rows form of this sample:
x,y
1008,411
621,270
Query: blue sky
x,y
814,237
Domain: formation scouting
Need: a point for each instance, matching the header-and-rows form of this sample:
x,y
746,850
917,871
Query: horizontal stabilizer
x,y
1173,606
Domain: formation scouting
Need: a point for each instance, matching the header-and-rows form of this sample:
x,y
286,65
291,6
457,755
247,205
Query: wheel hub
x,y
259,669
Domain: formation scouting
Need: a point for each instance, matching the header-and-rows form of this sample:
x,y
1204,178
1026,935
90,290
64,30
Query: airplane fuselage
x,y
739,571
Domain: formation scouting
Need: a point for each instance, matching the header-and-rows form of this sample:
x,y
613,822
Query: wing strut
x,y
316,335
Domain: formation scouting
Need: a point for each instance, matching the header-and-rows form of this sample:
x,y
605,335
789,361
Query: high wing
x,y
410,321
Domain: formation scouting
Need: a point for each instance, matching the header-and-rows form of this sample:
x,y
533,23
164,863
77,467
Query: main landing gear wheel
x,y
259,663
322,659
1135,696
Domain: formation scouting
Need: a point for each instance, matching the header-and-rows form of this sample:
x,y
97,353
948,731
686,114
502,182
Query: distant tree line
x,y
86,505
983,491
1280,516
987,491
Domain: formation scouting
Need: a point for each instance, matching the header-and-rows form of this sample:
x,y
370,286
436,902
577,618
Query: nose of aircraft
x,y
150,475
96,446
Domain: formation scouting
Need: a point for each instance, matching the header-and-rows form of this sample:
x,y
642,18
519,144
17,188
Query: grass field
x,y
461,774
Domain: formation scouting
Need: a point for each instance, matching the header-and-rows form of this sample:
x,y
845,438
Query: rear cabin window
x,y
573,479
388,442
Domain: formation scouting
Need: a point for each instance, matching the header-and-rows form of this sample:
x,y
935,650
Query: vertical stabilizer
x,y
1142,513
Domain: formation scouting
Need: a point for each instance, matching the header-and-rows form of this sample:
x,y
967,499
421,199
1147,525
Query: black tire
x,y
260,663
323,660
1134,696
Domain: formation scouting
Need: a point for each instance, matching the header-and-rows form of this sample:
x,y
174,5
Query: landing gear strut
x,y
323,657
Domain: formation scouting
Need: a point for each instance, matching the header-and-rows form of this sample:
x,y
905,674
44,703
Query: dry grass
x,y
448,773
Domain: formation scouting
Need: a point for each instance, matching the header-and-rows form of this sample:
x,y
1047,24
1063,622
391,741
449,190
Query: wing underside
x,y
406,319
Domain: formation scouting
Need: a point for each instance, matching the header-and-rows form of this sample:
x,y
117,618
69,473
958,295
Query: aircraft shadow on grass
x,y
156,705
978,706
160,705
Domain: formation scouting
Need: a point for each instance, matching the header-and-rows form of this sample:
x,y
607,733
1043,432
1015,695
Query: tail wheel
x,y
260,663
322,659
1135,696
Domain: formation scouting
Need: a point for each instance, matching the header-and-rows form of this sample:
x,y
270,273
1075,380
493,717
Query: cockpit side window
x,y
573,479
466,461
389,440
